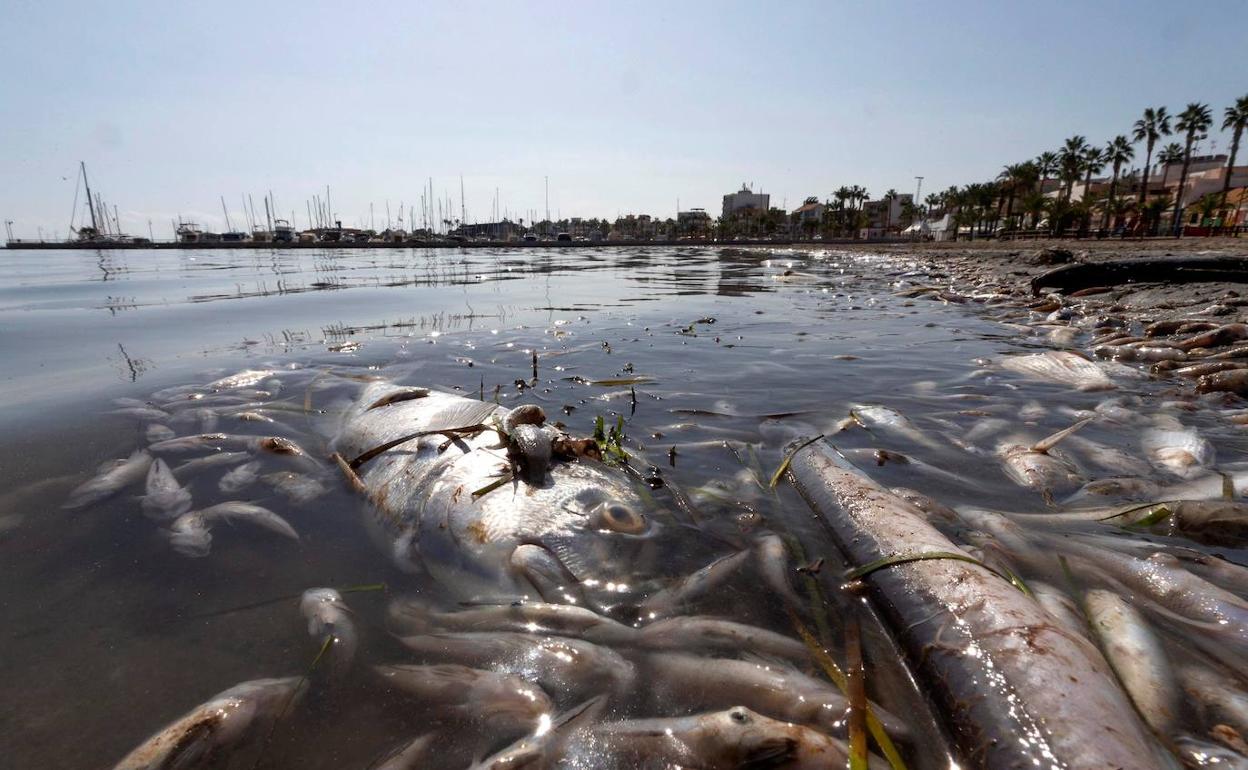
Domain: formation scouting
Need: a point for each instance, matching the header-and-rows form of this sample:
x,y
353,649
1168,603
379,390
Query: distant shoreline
x,y
448,244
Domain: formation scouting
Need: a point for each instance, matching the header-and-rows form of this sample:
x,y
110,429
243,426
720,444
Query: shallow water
x,y
111,634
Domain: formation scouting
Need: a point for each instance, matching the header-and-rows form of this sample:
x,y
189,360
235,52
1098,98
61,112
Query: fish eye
x,y
618,518
739,716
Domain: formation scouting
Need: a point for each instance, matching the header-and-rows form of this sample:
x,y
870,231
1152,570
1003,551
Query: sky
x,y
628,107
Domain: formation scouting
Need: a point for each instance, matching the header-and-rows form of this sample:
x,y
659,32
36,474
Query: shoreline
x,y
20,245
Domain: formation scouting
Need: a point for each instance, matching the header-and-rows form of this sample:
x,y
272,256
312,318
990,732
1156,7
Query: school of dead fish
x,y
539,677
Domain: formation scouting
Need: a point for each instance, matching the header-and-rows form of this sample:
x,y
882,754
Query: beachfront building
x,y
745,202
694,223
808,217
633,227
885,216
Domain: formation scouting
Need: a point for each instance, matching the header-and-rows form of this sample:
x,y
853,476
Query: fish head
x,y
743,738
607,534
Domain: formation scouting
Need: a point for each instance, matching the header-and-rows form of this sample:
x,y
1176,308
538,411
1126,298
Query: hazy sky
x,y
626,106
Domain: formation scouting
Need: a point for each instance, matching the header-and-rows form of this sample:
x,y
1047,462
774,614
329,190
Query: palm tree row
x,y
1078,161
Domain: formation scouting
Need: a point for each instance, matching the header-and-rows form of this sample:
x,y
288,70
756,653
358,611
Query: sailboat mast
x,y
229,228
90,201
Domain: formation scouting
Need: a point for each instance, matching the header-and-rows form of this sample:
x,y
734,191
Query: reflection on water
x,y
714,358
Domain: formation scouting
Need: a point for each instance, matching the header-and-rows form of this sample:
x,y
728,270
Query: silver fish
x,y
207,735
191,533
157,432
889,421
297,487
214,460
500,701
571,667
165,498
1181,451
411,616
1137,657
724,740
144,413
243,379
719,636
1062,367
571,536
240,478
1222,698
962,620
114,476
773,688
681,593
330,624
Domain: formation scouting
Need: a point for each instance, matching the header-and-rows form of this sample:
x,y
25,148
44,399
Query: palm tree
x,y
1047,165
1234,119
889,197
1071,161
1167,156
1192,122
1117,153
1148,129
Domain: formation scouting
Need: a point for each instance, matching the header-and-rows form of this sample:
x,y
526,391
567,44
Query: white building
x,y
746,200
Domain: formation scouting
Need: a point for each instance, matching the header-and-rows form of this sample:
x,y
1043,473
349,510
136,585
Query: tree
x,y
1070,161
1169,155
1234,119
1117,153
889,197
1148,129
1047,165
1192,122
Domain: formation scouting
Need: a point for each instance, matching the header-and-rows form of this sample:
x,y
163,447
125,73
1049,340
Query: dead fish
x,y
297,487
243,379
251,415
1060,606
1063,336
1233,381
113,477
935,511
670,600
725,740
1038,467
215,460
1194,371
885,420
145,413
411,616
330,624
1221,697
1179,450
240,478
573,667
1137,657
205,417
1109,458
1212,522
216,441
772,558
191,533
502,702
772,688
1062,367
157,432
545,746
692,632
1222,335
208,735
165,498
